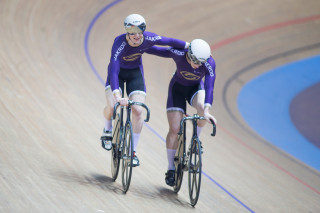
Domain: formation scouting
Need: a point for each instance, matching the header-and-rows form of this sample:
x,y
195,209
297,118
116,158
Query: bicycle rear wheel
x,y
127,157
115,153
179,163
195,169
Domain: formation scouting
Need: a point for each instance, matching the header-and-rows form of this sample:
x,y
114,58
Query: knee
x,y
108,112
201,123
174,129
137,111
108,108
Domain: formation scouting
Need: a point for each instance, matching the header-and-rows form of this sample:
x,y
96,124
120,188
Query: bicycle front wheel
x,y
115,153
127,157
195,169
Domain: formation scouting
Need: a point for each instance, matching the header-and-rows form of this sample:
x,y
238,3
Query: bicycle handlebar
x,y
214,130
130,103
197,117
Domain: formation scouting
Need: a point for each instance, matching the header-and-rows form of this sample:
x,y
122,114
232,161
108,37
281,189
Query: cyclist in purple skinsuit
x,y
193,64
126,66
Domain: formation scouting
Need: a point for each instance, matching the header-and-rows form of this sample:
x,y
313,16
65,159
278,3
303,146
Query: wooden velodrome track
x,y
53,61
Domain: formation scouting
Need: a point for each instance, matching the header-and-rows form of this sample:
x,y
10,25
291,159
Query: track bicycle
x,y
122,143
190,160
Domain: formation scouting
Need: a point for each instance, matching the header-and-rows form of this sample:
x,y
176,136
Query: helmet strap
x,y
188,58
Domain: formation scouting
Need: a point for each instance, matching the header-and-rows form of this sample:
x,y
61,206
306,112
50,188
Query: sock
x,y
170,155
136,138
199,129
107,125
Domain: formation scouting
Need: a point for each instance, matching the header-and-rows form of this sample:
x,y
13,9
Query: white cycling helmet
x,y
135,23
199,51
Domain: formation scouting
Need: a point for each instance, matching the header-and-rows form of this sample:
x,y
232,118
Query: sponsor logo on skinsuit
x,y
153,38
189,76
132,57
209,67
119,50
177,52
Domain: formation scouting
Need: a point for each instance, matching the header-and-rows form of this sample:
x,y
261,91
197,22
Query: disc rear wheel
x,y
115,152
179,164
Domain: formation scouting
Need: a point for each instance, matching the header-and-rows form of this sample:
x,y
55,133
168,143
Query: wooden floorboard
x,y
53,61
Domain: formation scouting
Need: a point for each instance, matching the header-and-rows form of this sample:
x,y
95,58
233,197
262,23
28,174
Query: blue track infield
x,y
264,103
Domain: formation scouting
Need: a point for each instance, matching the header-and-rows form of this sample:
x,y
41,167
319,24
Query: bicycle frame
x,y
195,118
190,161
124,143
182,133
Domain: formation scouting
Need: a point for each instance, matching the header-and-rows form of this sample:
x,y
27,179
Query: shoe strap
x,y
106,138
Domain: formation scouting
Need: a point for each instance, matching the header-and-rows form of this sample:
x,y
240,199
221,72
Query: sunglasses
x,y
194,59
134,33
132,30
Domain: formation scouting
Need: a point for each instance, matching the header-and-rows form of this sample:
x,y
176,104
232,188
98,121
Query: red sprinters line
x,y
262,30
267,159
252,33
